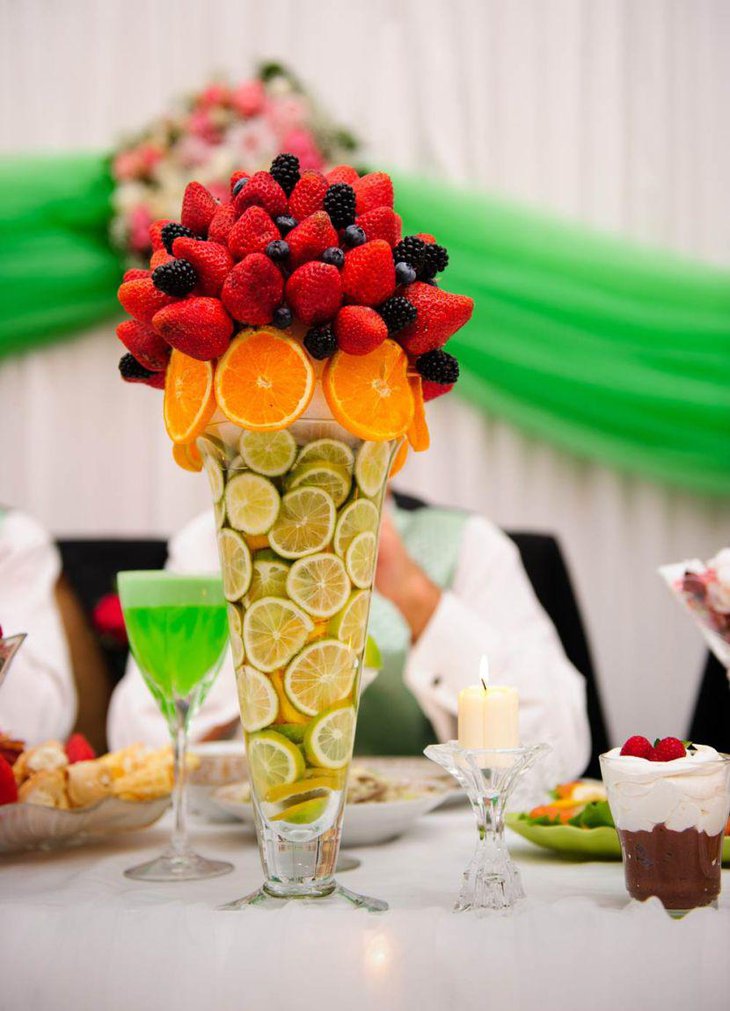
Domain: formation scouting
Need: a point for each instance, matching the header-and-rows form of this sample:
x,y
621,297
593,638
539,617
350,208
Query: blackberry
x,y
285,169
438,366
277,250
334,256
285,223
397,313
176,277
404,273
173,230
131,371
354,236
282,317
339,202
436,260
411,250
320,342
238,186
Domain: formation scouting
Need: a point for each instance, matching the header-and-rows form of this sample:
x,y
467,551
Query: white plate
x,y
33,826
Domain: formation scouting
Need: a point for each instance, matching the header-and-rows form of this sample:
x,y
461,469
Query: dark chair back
x,y
711,719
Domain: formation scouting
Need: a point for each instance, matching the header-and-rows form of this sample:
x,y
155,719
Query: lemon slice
x,y
320,781
305,813
272,759
268,579
273,631
235,563
351,624
268,453
329,450
258,700
319,584
235,629
252,503
328,739
215,477
360,559
371,466
356,518
336,481
321,675
211,445
219,509
305,523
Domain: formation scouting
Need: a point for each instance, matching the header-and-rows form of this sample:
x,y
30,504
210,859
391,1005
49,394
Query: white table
x,y
76,934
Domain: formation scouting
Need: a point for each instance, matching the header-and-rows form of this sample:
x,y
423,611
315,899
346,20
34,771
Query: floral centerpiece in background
x,y
220,129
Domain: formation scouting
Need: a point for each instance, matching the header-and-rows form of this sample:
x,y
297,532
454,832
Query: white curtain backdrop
x,y
611,111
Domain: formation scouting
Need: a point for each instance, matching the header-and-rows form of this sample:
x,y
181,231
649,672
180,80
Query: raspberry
x,y
78,749
668,749
178,277
141,299
132,372
440,314
314,292
199,327
368,277
436,260
262,191
198,208
252,233
150,350
253,289
339,202
438,367
397,313
373,190
320,342
285,169
8,786
310,238
638,747
411,250
381,223
359,329
308,195
211,260
171,231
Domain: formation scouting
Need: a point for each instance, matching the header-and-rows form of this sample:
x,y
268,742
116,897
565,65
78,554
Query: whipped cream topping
x,y
690,792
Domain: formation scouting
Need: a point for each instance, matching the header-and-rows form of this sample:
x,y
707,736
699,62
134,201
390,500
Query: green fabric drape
x,y
58,273
615,352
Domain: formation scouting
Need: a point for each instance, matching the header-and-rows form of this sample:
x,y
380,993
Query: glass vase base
x,y
335,896
179,867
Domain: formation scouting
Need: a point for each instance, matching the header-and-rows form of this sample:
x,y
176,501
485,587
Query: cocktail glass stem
x,y
179,732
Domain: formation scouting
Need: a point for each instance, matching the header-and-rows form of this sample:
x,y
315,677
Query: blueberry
x,y
404,273
354,235
282,317
335,256
277,250
285,223
238,186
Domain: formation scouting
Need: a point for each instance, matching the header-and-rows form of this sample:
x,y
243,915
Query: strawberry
x,y
359,329
310,238
221,223
381,223
668,749
425,237
308,195
368,276
638,747
252,233
200,327
198,208
261,191
142,300
373,190
155,236
253,289
8,786
439,315
211,261
132,371
342,174
78,749
314,292
134,274
145,343
431,390
239,174
159,257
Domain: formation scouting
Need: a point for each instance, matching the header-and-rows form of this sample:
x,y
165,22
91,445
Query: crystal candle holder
x,y
491,881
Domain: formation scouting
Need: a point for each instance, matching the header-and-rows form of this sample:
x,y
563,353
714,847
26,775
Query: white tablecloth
x,y
76,934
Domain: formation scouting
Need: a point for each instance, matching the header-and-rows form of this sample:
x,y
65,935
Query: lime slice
x,y
257,698
210,445
319,584
235,563
273,631
351,624
268,579
305,523
292,731
328,740
336,481
272,759
215,477
235,629
252,503
305,813
269,453
360,559
371,466
356,518
236,466
321,675
329,450
219,509
285,791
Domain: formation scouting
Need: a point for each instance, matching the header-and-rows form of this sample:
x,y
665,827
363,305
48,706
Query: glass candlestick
x,y
488,775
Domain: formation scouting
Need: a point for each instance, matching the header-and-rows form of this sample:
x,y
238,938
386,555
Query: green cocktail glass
x,y
178,631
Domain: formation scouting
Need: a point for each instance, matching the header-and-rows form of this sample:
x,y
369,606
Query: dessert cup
x,y
298,515
670,818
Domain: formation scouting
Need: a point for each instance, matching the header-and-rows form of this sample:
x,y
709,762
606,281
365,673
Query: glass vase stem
x,y
179,840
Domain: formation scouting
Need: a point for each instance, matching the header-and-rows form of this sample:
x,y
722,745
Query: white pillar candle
x,y
488,714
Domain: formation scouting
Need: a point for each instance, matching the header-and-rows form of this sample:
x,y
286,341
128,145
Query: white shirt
x,y
38,696
490,609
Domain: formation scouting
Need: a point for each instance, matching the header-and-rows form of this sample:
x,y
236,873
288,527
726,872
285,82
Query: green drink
x,y
178,631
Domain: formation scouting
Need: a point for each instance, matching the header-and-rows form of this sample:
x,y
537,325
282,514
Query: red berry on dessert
x,y
236,177
198,208
142,300
439,315
308,195
368,276
667,749
638,747
221,224
135,274
261,191
199,327
314,292
132,372
309,239
155,232
253,289
211,262
8,786
78,749
374,190
342,174
359,329
381,223
150,350
252,233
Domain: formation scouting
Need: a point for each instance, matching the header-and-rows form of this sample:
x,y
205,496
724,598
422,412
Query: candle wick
x,y
484,684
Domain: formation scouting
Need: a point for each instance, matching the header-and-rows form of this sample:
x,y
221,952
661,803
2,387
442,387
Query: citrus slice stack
x,y
257,698
328,739
356,518
252,503
350,625
371,467
264,381
319,584
370,394
269,453
187,455
333,479
189,402
360,559
235,629
273,631
273,759
268,578
305,524
322,674
235,563
329,451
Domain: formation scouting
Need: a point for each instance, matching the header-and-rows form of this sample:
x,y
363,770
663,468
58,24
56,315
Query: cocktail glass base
x,y
179,867
326,893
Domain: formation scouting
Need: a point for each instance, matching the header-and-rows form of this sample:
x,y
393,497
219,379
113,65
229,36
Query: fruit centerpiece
x,y
297,336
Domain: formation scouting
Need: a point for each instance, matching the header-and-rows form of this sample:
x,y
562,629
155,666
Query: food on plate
x,y
581,803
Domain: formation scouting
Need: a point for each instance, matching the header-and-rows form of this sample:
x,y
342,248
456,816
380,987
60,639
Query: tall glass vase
x,y
298,515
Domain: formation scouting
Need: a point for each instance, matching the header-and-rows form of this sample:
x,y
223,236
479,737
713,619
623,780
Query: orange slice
x,y
287,712
187,455
399,460
257,541
369,394
189,400
264,381
418,434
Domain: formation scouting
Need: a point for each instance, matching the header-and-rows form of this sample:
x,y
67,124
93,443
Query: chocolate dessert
x,y
681,868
